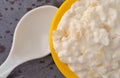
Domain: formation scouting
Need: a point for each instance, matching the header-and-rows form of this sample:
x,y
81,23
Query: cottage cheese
x,y
88,38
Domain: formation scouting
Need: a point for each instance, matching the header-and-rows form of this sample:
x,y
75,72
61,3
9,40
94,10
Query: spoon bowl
x,y
31,35
30,38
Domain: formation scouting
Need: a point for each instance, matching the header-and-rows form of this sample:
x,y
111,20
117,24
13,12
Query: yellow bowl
x,y
61,66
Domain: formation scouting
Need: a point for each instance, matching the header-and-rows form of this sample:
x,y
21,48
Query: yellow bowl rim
x,y
61,66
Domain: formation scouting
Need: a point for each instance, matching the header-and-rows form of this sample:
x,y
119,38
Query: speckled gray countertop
x,y
10,13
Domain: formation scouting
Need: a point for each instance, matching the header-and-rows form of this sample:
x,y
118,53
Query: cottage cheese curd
x,y
88,38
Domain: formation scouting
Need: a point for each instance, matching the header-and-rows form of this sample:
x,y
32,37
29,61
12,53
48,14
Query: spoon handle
x,y
7,67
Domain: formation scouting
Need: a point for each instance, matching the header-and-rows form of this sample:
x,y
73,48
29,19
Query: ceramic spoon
x,y
30,38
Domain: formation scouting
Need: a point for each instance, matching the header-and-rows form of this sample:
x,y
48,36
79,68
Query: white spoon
x,y
30,38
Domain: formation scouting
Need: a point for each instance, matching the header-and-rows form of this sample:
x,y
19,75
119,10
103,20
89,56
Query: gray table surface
x,y
10,13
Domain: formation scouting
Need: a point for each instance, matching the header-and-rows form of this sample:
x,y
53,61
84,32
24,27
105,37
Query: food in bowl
x,y
87,38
